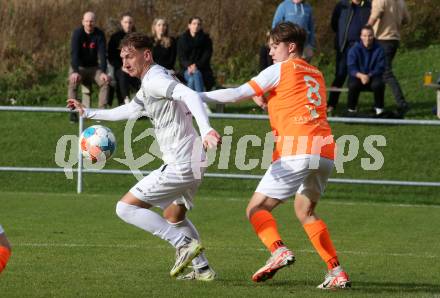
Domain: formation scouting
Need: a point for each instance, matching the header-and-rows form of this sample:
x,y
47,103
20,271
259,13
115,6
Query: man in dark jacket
x,y
88,44
366,65
348,18
123,81
194,50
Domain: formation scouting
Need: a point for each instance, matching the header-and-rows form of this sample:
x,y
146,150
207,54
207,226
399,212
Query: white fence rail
x,y
80,170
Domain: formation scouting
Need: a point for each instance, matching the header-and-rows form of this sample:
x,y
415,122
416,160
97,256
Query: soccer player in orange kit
x,y
5,249
304,151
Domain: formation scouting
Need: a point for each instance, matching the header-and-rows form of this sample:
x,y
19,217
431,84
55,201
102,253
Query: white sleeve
x,y
265,81
228,95
178,91
128,111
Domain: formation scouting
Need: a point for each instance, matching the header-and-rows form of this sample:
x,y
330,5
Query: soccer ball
x,y
98,143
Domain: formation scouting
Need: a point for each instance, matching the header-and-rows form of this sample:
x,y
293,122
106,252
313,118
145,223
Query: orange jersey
x,y
297,108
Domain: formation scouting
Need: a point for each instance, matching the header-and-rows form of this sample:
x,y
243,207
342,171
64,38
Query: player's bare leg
x,y
318,234
259,213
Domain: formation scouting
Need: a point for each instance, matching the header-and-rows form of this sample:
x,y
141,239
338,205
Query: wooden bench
x,y
437,88
220,107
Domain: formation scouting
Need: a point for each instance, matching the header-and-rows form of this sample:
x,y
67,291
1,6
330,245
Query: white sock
x,y
187,228
151,222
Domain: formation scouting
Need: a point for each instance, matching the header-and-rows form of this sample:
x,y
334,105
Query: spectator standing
x,y
165,48
348,18
87,45
124,82
194,51
298,12
387,17
366,66
265,58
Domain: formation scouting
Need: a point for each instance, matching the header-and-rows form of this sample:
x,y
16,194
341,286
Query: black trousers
x,y
340,76
390,47
123,85
355,87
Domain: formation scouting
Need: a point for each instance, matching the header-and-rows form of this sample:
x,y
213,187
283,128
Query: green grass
x,y
68,245
74,246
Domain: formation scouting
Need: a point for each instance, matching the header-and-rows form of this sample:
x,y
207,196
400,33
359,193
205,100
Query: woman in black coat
x,y
194,49
165,48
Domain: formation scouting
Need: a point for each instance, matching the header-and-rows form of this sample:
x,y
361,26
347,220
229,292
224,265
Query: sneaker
x,y
184,255
403,109
280,258
335,279
206,275
351,114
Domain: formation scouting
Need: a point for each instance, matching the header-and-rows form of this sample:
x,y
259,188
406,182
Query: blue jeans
x,y
194,80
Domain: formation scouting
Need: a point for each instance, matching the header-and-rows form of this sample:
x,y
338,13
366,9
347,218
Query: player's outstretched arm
x,y
255,88
229,95
124,112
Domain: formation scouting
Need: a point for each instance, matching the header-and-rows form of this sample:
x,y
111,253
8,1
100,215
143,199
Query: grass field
x,y
68,245
74,246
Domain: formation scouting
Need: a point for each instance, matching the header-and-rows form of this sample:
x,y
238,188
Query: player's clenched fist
x,y
73,104
212,139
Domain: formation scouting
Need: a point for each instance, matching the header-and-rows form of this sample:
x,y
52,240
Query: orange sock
x,y
266,228
4,257
320,238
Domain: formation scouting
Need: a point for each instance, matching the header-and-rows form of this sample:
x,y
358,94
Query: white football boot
x,y
184,255
280,258
207,275
335,279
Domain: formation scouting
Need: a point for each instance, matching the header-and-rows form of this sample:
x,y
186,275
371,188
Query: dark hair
x,y
126,14
194,18
367,27
289,32
137,41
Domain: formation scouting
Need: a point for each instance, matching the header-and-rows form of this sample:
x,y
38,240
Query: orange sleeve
x,y
256,87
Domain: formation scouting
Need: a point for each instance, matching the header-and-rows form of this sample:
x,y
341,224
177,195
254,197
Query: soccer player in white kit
x,y
170,105
5,249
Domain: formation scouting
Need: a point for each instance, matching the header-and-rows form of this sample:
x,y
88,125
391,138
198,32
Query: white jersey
x,y
170,105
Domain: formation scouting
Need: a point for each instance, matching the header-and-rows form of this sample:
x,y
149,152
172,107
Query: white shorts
x,y
169,184
1,230
304,174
